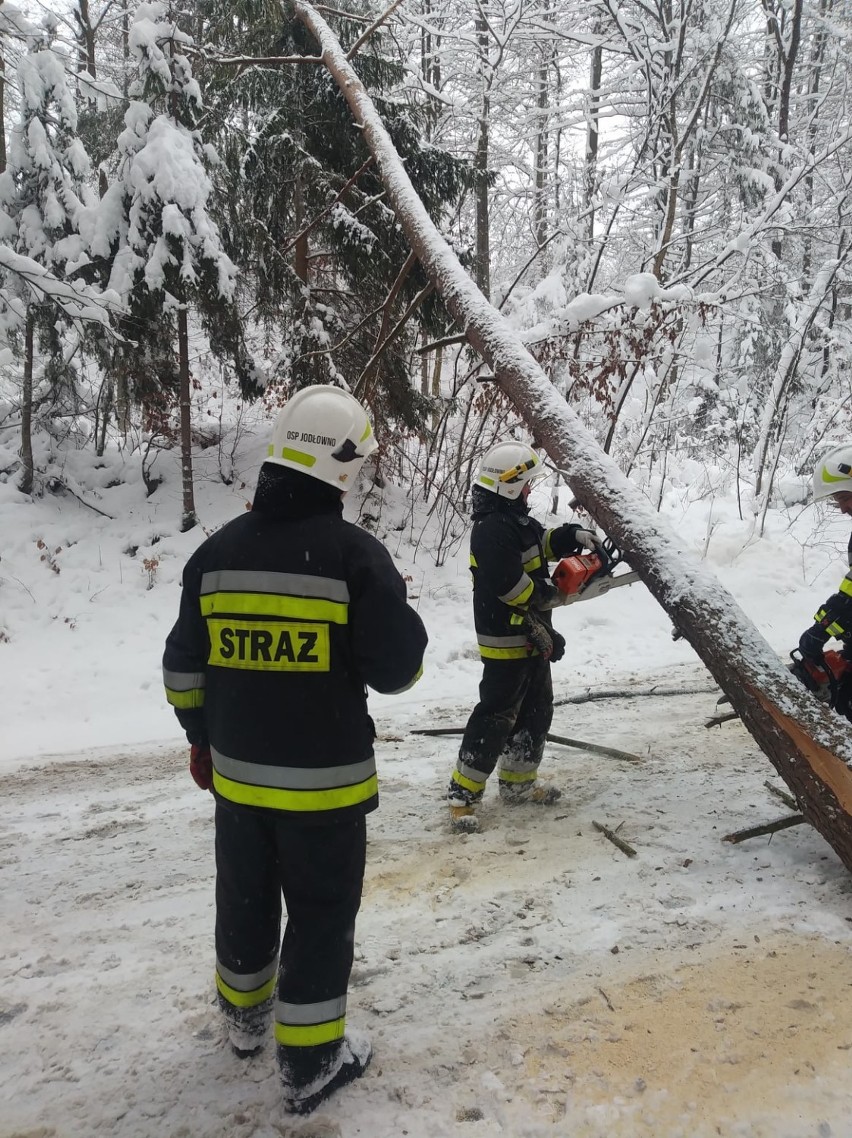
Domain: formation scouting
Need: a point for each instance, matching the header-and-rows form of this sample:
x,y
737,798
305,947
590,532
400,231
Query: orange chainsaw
x,y
588,575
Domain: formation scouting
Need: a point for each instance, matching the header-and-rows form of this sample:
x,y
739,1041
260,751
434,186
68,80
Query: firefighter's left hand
x,y
588,539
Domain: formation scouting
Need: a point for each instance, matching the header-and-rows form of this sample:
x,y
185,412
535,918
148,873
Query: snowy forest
x,y
656,196
617,230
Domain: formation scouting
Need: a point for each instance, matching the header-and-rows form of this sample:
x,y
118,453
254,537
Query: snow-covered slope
x,y
532,980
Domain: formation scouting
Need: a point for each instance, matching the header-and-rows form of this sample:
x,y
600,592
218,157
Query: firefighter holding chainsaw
x,y
513,596
828,673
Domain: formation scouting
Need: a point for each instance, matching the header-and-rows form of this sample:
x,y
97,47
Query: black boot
x,y
351,1062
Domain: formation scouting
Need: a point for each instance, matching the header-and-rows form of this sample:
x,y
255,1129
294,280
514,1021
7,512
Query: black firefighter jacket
x,y
509,552
286,613
833,619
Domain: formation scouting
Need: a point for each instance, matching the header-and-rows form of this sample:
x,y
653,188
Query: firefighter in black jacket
x,y
512,598
287,613
832,479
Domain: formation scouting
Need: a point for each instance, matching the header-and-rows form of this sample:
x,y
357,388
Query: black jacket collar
x,y
287,495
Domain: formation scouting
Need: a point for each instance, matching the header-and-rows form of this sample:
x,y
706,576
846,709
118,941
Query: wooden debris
x,y
611,836
595,748
590,694
578,744
786,798
717,720
768,828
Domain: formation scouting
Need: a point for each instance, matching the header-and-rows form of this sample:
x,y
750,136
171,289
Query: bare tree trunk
x,y
189,518
483,233
27,466
590,173
85,38
787,58
436,385
808,745
542,133
2,113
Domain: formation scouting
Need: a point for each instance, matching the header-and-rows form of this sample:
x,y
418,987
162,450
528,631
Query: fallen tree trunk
x,y
806,743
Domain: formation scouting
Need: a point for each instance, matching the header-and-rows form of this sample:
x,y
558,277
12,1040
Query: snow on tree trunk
x,y
808,745
27,466
189,518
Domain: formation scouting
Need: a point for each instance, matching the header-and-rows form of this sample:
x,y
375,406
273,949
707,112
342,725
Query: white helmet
x,y
324,432
507,467
833,473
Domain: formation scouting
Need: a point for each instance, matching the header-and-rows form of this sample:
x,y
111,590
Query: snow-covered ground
x,y
531,980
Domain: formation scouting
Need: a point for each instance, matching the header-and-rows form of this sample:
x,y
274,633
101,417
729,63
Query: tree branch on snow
x,y
767,828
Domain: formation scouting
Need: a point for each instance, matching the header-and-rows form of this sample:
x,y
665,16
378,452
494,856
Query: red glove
x,y
201,765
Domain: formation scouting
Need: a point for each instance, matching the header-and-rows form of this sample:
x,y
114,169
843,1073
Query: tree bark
x,y
483,228
808,745
190,518
2,112
27,465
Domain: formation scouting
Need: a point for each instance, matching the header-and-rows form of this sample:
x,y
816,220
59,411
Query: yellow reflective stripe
x,y
533,563
503,653
522,598
275,604
548,548
467,783
485,480
410,683
518,776
309,1035
295,800
299,456
185,700
473,562
246,999
846,587
835,629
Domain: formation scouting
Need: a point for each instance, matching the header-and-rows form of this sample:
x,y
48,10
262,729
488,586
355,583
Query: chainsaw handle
x,y
610,554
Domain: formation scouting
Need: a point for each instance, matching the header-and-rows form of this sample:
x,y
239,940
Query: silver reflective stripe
x,y
288,584
530,553
242,983
518,766
501,641
306,1014
471,772
523,583
293,778
183,681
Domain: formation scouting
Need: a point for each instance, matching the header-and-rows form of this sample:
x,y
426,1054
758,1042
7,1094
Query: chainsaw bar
x,y
599,586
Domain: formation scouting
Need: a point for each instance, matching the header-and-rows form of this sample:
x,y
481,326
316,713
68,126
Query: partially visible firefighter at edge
x,y
287,614
512,598
826,672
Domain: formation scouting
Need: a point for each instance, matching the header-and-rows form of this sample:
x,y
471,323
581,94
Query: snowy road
x,y
529,981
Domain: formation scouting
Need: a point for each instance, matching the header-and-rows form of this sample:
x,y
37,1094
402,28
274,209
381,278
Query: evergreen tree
x,y
302,209
162,244
43,197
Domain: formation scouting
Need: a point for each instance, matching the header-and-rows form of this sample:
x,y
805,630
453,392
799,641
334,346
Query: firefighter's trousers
x,y
511,720
319,870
